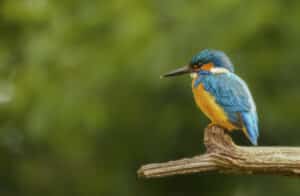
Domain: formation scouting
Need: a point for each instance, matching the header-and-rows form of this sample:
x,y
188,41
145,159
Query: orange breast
x,y
206,102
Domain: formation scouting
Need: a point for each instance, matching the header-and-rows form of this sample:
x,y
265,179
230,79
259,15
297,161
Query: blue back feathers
x,y
218,58
233,95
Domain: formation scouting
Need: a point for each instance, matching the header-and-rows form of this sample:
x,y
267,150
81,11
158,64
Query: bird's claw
x,y
210,125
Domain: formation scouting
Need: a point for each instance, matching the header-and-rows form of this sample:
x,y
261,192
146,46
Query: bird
x,y
220,93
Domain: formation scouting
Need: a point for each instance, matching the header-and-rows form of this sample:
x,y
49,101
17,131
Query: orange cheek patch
x,y
207,66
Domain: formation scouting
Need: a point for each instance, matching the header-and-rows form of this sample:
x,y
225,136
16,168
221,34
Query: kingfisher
x,y
221,94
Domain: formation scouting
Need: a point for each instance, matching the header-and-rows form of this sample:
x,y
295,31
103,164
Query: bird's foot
x,y
212,124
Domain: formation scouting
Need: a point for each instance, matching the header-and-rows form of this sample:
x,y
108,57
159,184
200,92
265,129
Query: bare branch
x,y
224,156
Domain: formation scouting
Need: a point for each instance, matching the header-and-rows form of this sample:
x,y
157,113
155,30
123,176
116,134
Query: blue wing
x,y
233,95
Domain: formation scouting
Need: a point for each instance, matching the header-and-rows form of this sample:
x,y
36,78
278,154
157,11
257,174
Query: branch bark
x,y
223,155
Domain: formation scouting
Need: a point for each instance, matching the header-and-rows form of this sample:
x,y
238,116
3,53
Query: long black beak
x,y
177,72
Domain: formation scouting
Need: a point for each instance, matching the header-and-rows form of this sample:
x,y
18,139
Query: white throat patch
x,y
194,75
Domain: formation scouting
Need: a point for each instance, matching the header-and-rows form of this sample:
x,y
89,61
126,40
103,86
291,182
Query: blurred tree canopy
x,y
87,107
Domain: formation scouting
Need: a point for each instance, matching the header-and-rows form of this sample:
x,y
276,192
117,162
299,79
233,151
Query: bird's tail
x,y
250,126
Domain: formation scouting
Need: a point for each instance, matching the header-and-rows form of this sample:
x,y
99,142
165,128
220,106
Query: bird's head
x,y
205,62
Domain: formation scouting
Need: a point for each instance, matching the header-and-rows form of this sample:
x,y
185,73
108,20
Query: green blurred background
x,y
82,105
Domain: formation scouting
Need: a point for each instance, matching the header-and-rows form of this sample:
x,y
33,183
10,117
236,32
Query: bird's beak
x,y
180,71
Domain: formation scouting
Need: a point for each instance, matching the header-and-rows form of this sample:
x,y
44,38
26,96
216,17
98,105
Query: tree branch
x,y
222,155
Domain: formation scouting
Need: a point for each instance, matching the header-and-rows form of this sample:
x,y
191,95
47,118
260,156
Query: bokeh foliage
x,y
88,108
